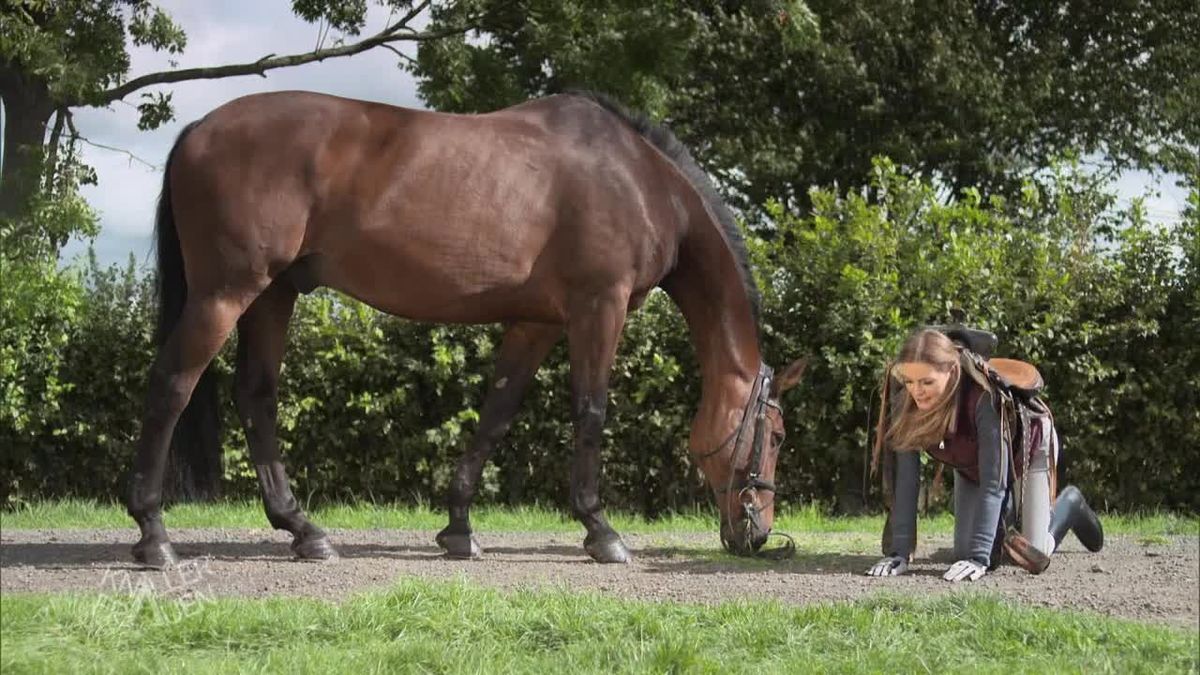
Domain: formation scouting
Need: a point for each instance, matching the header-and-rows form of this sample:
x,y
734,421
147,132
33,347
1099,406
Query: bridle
x,y
756,409
757,405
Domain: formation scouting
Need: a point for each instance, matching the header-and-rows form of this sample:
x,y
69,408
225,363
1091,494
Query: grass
x,y
80,514
454,627
428,626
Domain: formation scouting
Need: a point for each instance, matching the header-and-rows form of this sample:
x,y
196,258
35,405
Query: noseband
x,y
756,409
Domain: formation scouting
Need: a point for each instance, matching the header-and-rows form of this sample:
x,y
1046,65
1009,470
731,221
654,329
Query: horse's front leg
x,y
592,337
522,352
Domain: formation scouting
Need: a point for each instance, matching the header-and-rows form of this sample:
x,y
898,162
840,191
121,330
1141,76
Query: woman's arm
x,y
903,518
993,478
904,504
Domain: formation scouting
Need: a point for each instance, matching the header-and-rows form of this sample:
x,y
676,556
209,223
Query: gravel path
x,y
1147,579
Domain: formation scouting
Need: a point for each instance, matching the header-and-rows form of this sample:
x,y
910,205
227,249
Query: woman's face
x,y
925,382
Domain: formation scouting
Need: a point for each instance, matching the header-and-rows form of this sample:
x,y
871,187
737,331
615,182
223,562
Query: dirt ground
x,y
1154,579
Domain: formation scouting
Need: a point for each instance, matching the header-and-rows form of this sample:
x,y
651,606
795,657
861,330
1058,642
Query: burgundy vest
x,y
960,449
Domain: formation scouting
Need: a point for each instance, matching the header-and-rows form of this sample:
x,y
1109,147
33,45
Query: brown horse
x,y
555,216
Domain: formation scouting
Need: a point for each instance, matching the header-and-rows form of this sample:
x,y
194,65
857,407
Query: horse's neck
x,y
707,286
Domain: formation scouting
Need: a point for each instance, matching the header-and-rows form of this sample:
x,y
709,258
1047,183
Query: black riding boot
x,y
1071,512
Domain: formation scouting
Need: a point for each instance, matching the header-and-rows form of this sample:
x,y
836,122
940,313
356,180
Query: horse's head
x,y
741,471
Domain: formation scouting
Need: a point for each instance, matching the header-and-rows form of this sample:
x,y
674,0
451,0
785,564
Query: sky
x,y
236,31
218,32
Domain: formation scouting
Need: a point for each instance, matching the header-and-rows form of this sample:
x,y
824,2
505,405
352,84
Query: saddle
x,y
981,342
1019,377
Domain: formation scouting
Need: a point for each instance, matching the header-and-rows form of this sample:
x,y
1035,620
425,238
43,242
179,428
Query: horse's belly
x,y
442,285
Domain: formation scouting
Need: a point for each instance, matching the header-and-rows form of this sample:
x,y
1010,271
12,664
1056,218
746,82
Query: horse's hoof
x,y
608,550
463,546
314,549
158,555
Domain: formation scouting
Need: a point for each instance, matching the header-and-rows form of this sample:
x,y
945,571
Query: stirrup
x,y
1024,554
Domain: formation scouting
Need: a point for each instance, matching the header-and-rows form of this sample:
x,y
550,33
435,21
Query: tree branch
x,y
396,32
132,157
412,14
52,151
404,57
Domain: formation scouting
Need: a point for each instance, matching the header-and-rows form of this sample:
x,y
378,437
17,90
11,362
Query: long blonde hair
x,y
908,427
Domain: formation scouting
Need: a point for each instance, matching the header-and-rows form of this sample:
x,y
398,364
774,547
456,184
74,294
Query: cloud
x,y
220,32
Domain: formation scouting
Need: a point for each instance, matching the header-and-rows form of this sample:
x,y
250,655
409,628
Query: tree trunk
x,y
194,468
27,110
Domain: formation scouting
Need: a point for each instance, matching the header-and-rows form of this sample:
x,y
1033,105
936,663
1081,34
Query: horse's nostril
x,y
757,541
738,538
743,538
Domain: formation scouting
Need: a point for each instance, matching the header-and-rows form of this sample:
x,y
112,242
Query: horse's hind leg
x,y
262,337
592,336
204,325
522,351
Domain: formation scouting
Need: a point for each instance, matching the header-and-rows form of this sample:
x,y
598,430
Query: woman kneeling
x,y
956,420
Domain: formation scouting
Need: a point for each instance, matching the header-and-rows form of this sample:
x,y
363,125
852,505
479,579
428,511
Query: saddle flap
x,y
1018,375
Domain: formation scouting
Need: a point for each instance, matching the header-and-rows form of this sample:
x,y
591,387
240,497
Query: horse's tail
x,y
172,285
195,448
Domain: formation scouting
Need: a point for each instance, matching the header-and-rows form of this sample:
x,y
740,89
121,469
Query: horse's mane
x,y
662,138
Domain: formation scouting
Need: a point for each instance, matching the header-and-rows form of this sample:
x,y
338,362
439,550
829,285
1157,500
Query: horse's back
x,y
485,214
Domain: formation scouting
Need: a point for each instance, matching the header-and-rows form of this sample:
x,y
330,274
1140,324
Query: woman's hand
x,y
888,567
965,570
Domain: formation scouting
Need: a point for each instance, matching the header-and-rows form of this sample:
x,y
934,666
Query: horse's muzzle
x,y
744,538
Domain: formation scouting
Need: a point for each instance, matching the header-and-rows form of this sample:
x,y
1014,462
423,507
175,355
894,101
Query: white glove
x,y
888,567
965,570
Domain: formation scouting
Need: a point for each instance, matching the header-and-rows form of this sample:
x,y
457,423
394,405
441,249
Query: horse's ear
x,y
790,377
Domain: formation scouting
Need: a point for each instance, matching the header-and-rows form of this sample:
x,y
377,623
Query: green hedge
x,y
371,407
1103,301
